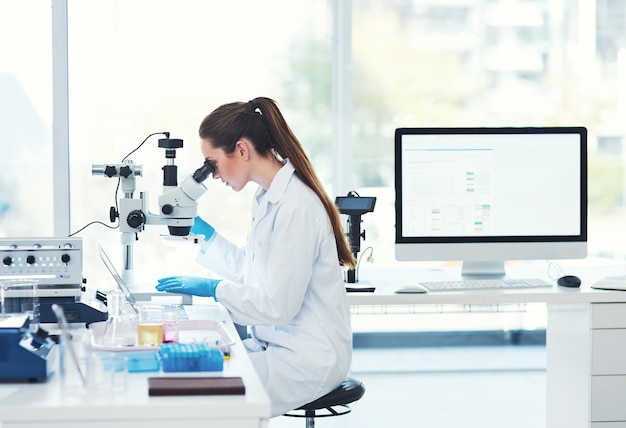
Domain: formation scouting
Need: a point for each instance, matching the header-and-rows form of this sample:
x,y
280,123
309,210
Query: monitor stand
x,y
477,269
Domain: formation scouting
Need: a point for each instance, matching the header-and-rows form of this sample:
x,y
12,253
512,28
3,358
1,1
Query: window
x,y
26,203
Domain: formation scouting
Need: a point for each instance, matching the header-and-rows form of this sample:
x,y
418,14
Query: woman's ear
x,y
242,149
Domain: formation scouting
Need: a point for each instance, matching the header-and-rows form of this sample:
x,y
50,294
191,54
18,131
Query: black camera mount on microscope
x,y
355,206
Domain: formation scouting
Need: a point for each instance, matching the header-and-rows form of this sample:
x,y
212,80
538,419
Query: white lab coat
x,y
287,284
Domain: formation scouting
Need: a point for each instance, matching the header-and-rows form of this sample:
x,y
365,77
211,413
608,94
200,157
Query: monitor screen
x,y
486,195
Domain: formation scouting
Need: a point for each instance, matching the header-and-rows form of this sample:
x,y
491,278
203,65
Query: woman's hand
x,y
194,285
201,227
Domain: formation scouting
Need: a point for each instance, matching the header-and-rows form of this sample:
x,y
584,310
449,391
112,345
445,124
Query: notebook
x,y
183,312
196,386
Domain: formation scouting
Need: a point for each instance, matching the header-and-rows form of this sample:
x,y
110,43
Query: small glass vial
x,y
120,329
170,328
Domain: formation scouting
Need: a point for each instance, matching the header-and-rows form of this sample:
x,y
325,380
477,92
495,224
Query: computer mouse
x,y
408,289
569,281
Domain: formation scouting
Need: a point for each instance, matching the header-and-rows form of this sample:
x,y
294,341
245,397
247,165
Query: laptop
x,y
183,312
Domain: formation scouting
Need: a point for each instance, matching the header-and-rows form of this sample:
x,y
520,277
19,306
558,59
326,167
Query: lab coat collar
x,y
278,185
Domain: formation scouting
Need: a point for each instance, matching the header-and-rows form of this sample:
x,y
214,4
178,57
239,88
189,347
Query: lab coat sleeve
x,y
223,257
284,260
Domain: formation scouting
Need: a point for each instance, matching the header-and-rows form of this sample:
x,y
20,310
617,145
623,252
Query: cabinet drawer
x,y
608,350
607,398
608,315
608,425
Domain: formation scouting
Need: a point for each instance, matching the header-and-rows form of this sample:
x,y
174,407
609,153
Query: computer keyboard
x,y
178,310
485,284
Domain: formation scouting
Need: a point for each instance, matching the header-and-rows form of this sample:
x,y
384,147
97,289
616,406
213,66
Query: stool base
x,y
311,415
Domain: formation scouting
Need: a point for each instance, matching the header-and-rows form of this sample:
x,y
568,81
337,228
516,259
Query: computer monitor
x,y
487,195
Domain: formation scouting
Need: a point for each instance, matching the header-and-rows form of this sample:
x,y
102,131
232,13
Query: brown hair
x,y
261,122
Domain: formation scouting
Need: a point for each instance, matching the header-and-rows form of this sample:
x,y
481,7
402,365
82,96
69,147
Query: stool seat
x,y
349,391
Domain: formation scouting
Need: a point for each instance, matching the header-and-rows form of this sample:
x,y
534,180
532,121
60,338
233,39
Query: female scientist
x,y
287,282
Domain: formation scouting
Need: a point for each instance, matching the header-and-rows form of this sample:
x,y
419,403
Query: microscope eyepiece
x,y
204,171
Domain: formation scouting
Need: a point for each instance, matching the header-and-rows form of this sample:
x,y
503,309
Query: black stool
x,y
349,391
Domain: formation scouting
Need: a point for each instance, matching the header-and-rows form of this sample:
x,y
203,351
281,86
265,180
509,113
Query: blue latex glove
x,y
201,227
195,285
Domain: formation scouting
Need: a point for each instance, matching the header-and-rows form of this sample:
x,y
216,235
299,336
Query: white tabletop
x,y
50,401
388,280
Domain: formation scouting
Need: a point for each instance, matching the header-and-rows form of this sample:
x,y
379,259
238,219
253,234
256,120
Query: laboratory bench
x,y
56,404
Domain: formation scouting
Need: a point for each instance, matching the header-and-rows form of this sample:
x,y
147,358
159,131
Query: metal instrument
x,y
57,266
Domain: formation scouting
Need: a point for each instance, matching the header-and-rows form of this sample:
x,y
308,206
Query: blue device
x,y
24,355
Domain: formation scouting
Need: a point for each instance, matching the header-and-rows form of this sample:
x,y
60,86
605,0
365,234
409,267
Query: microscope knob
x,y
65,258
113,214
125,171
7,261
136,219
110,171
167,209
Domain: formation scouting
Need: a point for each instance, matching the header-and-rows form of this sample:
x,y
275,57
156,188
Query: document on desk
x,y
611,283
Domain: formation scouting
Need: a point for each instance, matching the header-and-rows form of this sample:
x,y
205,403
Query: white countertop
x,y
50,402
388,280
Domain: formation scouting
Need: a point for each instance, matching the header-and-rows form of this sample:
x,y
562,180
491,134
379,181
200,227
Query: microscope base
x,y
359,287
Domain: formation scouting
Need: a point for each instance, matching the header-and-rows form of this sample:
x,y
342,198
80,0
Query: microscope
x,y
177,204
354,206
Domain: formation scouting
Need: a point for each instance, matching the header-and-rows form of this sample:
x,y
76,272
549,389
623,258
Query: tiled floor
x,y
486,387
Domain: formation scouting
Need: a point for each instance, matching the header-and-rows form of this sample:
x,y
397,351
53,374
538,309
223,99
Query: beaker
x,y
170,328
150,325
19,296
120,329
106,372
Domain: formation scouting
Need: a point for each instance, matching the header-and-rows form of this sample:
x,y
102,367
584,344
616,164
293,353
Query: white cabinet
x,y
608,365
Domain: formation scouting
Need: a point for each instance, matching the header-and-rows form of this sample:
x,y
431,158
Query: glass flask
x,y
120,329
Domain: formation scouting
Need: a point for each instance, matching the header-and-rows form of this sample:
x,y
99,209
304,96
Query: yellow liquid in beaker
x,y
149,334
